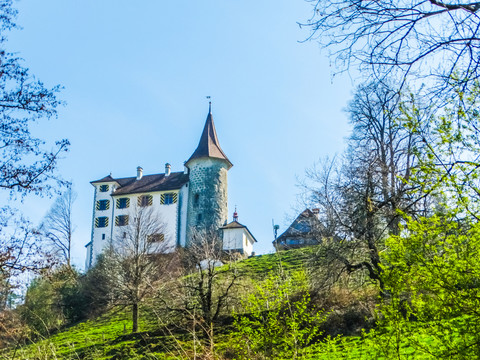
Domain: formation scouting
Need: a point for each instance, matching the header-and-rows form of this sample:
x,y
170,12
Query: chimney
x,y
139,172
168,169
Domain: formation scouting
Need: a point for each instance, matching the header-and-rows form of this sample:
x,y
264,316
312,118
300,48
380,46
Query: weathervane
x,y
209,103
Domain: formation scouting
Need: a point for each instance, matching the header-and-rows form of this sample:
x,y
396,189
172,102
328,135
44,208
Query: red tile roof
x,y
209,145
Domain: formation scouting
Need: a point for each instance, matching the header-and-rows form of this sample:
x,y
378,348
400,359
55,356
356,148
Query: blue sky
x,y
135,77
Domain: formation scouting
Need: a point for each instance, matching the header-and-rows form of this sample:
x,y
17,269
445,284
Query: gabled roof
x,y
107,178
209,146
148,183
305,225
237,225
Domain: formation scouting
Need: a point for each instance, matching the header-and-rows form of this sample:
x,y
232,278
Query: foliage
x,y
97,288
19,252
205,290
361,194
433,278
52,301
449,166
279,321
431,269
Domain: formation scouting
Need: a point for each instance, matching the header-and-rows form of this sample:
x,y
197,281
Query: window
x,y
155,238
293,242
199,219
123,203
168,198
145,200
103,205
103,188
103,236
121,220
101,222
196,200
124,235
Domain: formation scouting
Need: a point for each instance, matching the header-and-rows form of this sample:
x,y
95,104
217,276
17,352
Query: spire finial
x,y
209,104
235,214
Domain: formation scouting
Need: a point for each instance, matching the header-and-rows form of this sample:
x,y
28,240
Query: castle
x,y
195,199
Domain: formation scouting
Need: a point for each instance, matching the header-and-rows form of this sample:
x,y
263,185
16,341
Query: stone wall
x,y
208,195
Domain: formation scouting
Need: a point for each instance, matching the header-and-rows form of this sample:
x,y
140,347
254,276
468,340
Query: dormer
x,y
105,185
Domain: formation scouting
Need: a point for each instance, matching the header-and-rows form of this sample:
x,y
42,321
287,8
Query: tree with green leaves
x,y
278,320
431,269
361,194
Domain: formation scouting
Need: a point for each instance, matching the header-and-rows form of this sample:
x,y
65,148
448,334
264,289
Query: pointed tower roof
x,y
208,145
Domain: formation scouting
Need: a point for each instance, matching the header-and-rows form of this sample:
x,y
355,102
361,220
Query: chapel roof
x,y
148,183
305,225
236,225
209,146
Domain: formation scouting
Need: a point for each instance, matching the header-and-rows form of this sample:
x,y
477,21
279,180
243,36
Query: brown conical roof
x,y
209,145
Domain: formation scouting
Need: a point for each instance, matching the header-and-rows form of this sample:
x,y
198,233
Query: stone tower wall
x,y
207,195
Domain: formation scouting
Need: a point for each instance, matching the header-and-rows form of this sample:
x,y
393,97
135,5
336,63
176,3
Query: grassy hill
x,y
108,337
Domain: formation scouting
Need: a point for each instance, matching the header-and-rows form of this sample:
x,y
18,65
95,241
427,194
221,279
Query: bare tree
x,y
57,227
19,253
362,198
137,258
26,166
391,38
206,289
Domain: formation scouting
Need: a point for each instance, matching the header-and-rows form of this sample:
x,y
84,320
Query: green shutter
x,y
119,203
172,195
147,202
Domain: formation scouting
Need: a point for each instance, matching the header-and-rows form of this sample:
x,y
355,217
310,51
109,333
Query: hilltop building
x,y
305,230
188,201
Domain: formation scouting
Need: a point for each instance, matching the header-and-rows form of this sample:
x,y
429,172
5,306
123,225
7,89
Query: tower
x,y
207,207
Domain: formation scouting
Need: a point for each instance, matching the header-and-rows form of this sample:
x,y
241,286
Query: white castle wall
x,y
168,215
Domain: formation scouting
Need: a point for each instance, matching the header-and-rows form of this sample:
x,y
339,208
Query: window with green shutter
x,y
168,198
155,238
123,203
145,200
103,205
121,220
101,221
104,188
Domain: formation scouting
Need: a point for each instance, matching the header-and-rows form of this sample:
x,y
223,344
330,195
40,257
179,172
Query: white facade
x,y
171,217
167,195
237,238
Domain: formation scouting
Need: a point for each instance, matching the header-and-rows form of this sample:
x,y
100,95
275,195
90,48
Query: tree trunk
x,y
135,318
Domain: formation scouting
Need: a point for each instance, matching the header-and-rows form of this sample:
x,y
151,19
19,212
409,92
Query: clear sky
x,y
135,77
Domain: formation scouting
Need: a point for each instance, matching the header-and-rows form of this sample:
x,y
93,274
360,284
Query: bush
x,y
279,321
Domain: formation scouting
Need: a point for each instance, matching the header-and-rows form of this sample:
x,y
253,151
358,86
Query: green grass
x,y
108,337
259,266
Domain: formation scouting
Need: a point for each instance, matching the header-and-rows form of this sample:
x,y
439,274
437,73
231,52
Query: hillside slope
x,y
108,337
